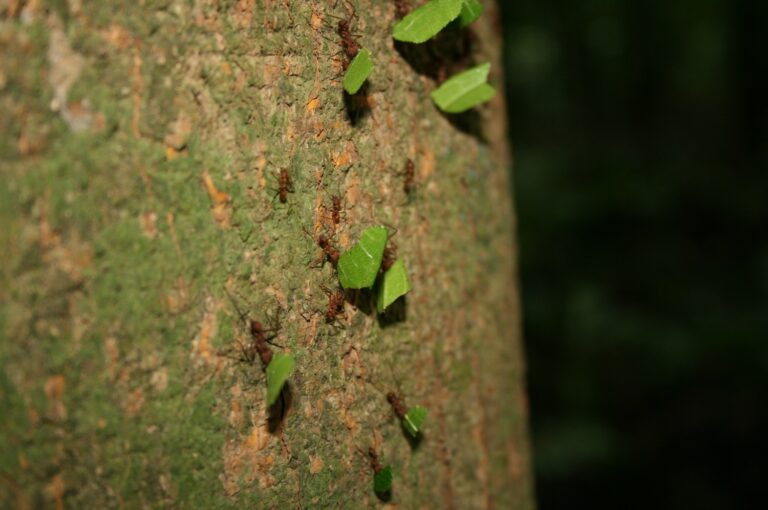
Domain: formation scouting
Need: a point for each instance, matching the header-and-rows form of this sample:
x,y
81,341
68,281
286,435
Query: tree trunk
x,y
141,146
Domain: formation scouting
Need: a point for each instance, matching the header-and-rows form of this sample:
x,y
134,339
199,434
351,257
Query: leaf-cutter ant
x,y
349,46
261,337
330,253
402,8
397,405
285,185
336,210
335,307
409,177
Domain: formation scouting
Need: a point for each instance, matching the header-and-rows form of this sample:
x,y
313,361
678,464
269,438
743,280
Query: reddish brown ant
x,y
261,337
330,253
285,185
409,177
397,405
336,210
374,457
402,8
335,303
389,257
348,44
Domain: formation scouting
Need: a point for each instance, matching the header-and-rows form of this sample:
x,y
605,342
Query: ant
x,y
348,44
409,177
329,252
261,337
389,257
402,8
335,303
285,186
336,210
397,405
375,463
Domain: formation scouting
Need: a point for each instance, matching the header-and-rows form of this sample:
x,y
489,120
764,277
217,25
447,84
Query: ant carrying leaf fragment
x,y
358,71
465,90
394,283
278,371
470,11
413,420
359,266
427,21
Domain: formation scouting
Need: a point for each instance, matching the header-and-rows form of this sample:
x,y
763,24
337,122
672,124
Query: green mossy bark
x,y
140,147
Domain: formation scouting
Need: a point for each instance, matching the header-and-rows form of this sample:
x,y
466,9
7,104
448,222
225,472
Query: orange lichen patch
x,y
221,208
134,402
159,379
350,362
315,20
178,297
312,104
271,69
315,464
244,12
172,230
344,157
201,345
257,440
226,68
55,489
179,132
148,222
278,294
247,460
111,353
426,164
236,416
137,86
118,37
349,420
54,387
171,154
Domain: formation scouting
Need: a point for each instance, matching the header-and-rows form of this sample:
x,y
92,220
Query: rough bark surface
x,y
140,145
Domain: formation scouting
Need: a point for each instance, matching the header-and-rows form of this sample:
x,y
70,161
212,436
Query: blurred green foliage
x,y
640,134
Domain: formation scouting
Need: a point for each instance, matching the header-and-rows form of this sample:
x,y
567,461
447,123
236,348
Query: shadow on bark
x,y
356,105
279,410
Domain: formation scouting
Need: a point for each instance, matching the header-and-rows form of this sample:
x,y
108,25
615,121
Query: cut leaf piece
x,y
278,371
382,481
427,21
470,11
394,283
358,71
464,90
413,419
359,266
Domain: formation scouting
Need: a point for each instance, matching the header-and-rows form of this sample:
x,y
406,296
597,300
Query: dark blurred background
x,y
640,135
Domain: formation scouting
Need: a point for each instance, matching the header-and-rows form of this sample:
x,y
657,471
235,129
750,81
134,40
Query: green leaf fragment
x,y
278,371
464,90
413,419
382,481
470,11
427,21
393,284
358,71
359,266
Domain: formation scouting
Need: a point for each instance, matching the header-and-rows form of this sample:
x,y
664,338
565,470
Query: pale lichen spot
x,y
312,104
222,211
315,464
148,222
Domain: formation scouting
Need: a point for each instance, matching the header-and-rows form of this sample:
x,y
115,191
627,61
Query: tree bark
x,y
141,145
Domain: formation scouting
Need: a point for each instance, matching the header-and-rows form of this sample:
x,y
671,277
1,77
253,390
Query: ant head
x,y
391,397
256,327
372,452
